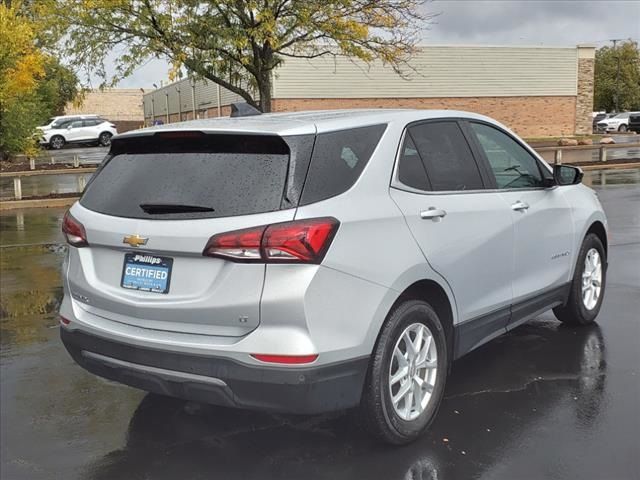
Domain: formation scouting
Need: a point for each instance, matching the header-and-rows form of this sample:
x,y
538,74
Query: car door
x,y
74,131
541,216
464,230
89,131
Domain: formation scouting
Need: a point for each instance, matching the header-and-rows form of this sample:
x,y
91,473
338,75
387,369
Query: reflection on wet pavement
x,y
543,401
595,178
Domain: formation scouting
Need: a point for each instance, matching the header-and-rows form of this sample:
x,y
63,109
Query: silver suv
x,y
308,262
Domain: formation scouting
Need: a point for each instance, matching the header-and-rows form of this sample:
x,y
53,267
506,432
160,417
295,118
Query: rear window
x,y
205,177
338,160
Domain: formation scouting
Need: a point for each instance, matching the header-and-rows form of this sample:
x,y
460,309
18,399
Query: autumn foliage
x,y
30,81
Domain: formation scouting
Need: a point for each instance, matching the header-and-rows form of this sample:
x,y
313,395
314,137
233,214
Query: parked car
x,y
634,122
616,123
598,117
316,261
54,122
78,130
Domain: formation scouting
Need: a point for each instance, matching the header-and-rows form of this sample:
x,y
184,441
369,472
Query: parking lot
x,y
543,401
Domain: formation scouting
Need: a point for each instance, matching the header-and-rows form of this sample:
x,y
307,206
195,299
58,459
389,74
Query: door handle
x,y
432,213
520,206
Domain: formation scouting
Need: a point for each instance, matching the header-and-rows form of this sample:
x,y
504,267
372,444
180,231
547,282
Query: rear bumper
x,y
221,381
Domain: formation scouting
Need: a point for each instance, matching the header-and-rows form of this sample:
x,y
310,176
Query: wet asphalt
x,y
543,401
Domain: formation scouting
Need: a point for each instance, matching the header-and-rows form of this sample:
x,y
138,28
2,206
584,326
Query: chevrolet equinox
x,y
315,261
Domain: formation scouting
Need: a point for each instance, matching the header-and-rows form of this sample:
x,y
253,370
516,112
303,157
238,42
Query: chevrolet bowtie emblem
x,y
135,240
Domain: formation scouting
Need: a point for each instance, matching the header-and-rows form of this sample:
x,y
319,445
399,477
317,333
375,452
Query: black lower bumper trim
x,y
220,381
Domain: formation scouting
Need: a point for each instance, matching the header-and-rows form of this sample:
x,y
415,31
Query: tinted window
x,y
62,124
512,165
338,160
232,176
91,123
411,169
447,157
75,124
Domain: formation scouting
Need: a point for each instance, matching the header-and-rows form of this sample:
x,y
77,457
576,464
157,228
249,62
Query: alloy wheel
x,y
105,139
591,279
413,370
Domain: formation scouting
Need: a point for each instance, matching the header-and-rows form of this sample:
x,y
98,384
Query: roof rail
x,y
243,109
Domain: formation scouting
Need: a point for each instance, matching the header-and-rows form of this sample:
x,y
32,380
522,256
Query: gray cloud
x,y
533,22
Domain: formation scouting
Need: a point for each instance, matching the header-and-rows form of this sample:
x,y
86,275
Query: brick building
x,y
537,91
122,106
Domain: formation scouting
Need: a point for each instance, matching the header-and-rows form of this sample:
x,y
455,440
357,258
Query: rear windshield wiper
x,y
165,208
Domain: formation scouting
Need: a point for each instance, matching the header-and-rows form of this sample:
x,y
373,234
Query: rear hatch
x,y
149,212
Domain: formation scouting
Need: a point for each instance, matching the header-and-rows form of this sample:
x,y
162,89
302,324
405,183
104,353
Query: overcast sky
x,y
503,22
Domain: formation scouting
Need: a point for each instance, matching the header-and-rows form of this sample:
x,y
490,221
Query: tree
x,y
236,43
57,88
34,85
617,72
21,67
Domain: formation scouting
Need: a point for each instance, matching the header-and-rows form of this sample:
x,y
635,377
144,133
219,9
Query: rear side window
x,y
411,170
213,177
447,156
338,160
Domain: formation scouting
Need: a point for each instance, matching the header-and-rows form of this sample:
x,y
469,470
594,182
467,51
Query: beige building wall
x,y
122,106
438,71
113,104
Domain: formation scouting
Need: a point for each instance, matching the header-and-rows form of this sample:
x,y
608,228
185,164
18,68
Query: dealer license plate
x,y
145,272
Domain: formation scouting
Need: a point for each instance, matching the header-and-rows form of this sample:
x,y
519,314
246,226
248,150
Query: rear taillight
x,y
74,231
300,241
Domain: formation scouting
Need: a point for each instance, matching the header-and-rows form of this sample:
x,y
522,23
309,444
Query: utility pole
x,y
616,95
166,105
193,97
179,104
219,100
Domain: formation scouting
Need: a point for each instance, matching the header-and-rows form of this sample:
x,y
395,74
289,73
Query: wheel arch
x,y
598,229
436,295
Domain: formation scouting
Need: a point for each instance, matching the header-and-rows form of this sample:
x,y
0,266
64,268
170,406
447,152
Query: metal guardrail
x,y
56,157
602,150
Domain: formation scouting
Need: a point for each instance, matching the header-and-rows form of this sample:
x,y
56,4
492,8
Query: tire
x,y
105,139
622,128
581,307
56,142
377,411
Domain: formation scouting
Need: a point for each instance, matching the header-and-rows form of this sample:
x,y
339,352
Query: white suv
x,y
54,122
616,123
78,129
307,262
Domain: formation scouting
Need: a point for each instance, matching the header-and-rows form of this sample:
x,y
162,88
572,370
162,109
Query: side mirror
x,y
567,175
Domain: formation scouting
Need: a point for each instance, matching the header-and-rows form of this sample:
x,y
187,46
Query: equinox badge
x,y
135,240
